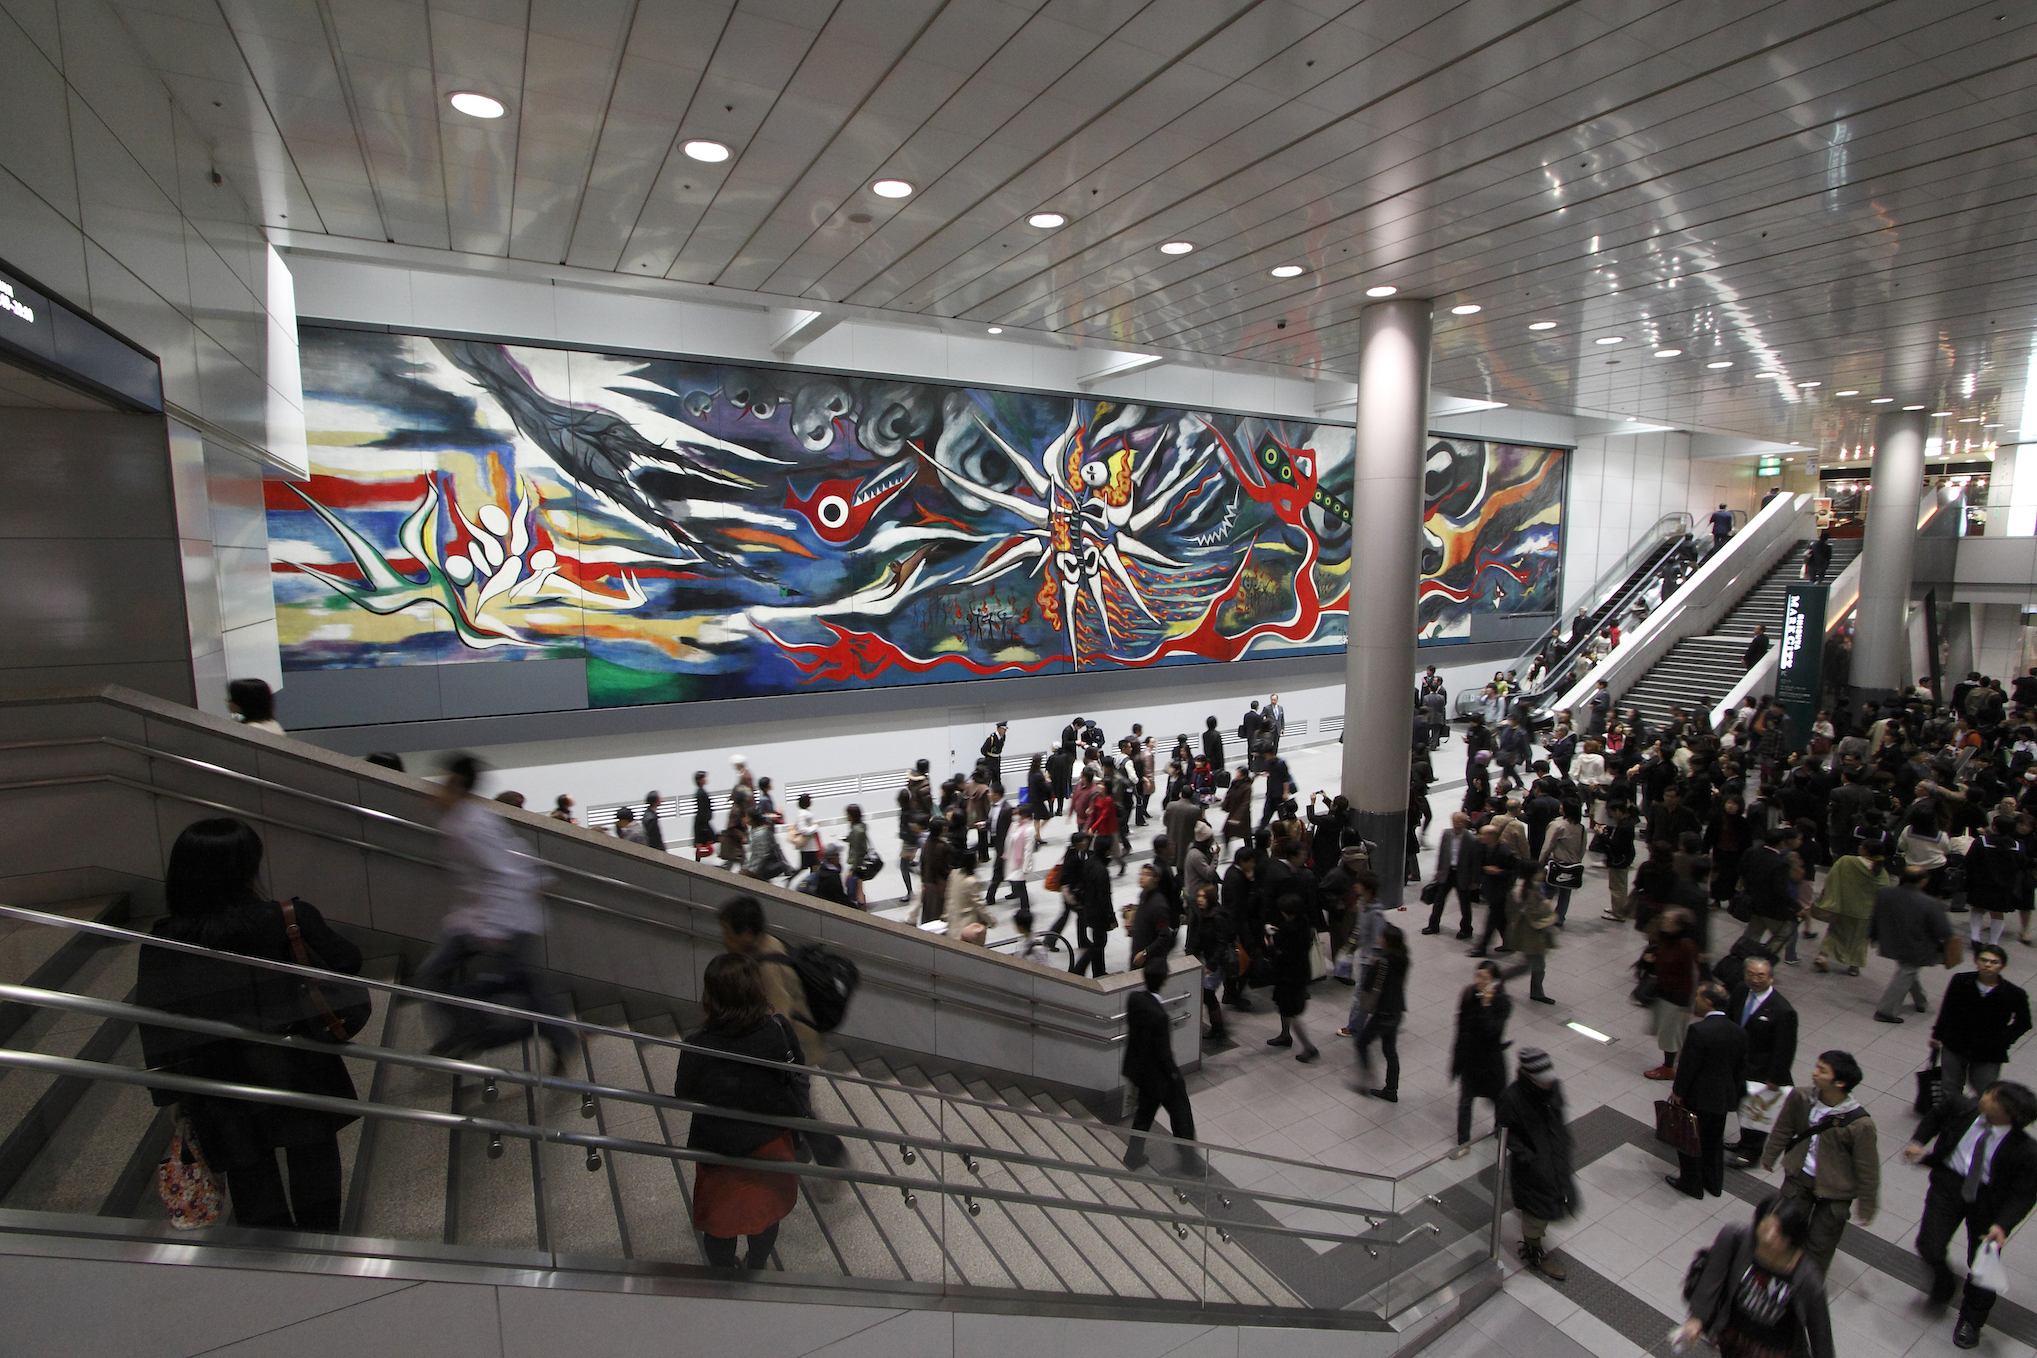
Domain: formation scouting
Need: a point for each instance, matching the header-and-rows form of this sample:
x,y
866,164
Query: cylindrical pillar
x,y
1386,503
1881,634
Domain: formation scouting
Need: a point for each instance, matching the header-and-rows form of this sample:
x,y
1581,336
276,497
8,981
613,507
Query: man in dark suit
x,y
1497,866
1983,1174
1149,1065
1771,1025
1910,929
1453,852
1711,1075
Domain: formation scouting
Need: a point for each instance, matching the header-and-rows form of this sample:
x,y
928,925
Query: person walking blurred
x,y
493,928
1150,1067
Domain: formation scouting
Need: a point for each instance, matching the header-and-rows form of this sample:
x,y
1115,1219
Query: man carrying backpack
x,y
742,930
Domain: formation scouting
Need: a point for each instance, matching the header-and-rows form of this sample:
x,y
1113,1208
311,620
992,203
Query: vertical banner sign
x,y
1800,659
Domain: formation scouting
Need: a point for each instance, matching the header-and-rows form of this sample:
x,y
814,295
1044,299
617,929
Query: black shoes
x,y
1432,929
1966,1334
1282,1041
1541,999
1677,1183
1383,1095
1888,1018
1307,1056
1463,934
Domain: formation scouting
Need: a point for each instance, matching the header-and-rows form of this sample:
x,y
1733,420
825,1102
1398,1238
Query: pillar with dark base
x,y
1881,632
1386,502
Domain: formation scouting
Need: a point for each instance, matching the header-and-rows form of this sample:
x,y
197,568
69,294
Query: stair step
x,y
581,1211
404,1196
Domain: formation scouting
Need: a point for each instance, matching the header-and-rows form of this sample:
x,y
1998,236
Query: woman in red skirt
x,y
729,1200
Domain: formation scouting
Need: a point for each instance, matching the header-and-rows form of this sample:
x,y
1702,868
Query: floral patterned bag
x,y
185,1183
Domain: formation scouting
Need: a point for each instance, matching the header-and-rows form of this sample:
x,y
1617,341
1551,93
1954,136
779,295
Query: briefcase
x,y
1433,891
1676,1127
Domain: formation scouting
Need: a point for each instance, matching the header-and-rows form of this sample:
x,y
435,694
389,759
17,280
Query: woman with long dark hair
x,y
254,703
731,1201
214,901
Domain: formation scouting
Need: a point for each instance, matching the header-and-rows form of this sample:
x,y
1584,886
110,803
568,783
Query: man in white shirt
x,y
1983,1175
493,927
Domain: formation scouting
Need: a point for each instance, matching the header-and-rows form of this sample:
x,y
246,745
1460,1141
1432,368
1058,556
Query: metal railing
x,y
1615,585
1076,1030
939,1191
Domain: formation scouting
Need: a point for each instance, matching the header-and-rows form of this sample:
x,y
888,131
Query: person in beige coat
x,y
968,920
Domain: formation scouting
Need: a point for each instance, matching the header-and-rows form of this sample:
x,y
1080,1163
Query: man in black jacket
x,y
1619,860
1764,875
1086,877
1984,1174
1495,870
1149,1065
1757,647
1711,1075
1979,1019
1771,1024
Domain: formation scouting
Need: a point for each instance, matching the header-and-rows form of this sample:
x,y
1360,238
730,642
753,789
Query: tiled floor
x,y
1633,1228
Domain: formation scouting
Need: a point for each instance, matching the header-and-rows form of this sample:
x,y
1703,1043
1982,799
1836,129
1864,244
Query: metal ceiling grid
x,y
1464,151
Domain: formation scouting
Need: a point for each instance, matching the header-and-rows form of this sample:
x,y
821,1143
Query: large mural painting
x,y
1492,534
700,530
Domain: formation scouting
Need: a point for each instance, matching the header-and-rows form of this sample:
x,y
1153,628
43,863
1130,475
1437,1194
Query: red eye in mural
x,y
839,510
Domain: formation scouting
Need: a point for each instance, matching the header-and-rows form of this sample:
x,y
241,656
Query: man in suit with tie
x,y
1770,1022
1983,1174
1711,1074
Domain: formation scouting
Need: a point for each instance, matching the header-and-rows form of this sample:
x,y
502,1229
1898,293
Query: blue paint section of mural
x,y
698,530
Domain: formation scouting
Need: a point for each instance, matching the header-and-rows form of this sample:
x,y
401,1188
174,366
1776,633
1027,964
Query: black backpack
x,y
827,979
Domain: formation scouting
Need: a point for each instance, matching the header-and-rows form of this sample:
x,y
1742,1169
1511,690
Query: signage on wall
x,y
49,336
1800,659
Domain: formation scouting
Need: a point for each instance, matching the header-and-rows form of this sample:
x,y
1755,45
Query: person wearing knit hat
x,y
1530,1112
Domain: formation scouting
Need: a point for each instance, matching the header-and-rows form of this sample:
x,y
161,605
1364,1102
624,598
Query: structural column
x,y
1386,503
1881,634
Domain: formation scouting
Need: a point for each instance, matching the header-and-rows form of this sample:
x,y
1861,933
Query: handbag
x,y
1319,958
1930,1085
1676,1126
1052,881
1433,891
332,1010
185,1184
1741,907
1568,876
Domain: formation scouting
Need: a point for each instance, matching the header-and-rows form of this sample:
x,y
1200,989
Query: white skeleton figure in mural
x,y
1089,514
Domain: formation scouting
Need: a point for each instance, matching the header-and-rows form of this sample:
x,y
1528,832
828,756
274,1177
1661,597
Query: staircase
x,y
1704,668
959,1183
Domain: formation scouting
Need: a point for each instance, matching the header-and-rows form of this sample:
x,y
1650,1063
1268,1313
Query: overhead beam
x,y
795,329
1102,365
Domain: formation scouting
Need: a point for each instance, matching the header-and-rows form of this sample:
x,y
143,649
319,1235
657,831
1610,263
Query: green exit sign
x,y
1769,466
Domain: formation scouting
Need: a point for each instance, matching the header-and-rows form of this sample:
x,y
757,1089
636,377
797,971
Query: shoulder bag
x,y
332,1010
1565,875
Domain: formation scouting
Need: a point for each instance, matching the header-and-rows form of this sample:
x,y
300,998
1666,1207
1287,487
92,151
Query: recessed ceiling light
x,y
997,330
1383,290
1941,414
1848,392
1668,353
1177,247
713,152
1721,363
1285,271
1046,221
1913,407
1808,385
476,105
891,188
1541,325
1882,401
1971,419
1468,309
1610,339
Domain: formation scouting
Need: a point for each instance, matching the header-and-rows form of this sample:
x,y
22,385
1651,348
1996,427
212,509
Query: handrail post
x,y
1499,1185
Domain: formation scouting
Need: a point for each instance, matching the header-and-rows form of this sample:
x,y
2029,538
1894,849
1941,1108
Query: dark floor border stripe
x,y
1605,1129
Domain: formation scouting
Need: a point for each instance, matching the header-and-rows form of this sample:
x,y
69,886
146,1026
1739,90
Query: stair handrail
x,y
122,1011
1723,577
1672,527
75,1068
544,865
396,989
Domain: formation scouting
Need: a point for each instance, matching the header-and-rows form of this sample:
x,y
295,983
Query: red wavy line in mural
x,y
865,655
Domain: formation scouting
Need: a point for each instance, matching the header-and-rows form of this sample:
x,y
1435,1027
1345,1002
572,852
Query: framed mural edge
x,y
697,528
